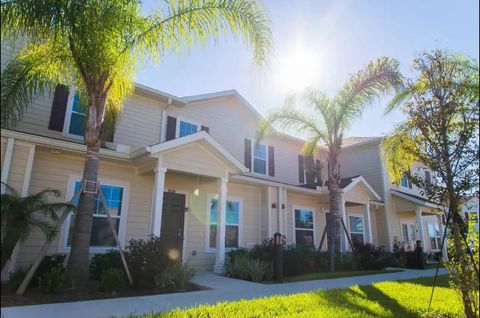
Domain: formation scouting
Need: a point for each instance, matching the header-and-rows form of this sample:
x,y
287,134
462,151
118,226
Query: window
x,y
232,224
304,227
259,158
186,128
356,228
405,182
428,178
409,232
101,236
77,117
434,236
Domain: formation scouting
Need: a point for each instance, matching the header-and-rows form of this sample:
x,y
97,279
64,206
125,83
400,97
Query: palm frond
x,y
310,147
183,23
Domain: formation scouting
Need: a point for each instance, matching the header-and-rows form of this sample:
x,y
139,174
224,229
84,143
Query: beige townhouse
x,y
190,171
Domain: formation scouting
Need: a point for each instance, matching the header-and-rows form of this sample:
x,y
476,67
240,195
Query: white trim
x,y
62,246
211,196
356,215
269,211
68,117
361,179
188,121
414,200
363,143
314,230
293,188
7,159
28,171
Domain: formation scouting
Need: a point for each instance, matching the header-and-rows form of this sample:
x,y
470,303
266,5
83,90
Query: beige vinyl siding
x,y
52,171
381,226
18,165
364,161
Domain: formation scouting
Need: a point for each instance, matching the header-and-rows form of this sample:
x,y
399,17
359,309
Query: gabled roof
x,y
359,141
205,140
415,199
361,180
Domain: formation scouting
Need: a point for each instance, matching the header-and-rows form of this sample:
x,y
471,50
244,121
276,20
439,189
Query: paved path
x,y
223,289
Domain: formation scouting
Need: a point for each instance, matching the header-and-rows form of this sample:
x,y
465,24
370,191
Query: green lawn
x,y
386,299
327,275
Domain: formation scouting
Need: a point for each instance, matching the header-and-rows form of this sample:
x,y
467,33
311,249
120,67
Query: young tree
x,y
327,120
21,215
94,46
441,131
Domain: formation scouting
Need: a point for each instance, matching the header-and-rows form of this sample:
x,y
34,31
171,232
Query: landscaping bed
x,y
329,275
386,299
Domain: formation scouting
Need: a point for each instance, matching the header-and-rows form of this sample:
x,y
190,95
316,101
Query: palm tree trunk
x,y
79,263
334,198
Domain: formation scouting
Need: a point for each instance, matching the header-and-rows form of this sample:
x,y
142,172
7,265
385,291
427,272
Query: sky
x,y
319,43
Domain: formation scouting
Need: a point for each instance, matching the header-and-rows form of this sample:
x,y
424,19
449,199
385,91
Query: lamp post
x,y
278,238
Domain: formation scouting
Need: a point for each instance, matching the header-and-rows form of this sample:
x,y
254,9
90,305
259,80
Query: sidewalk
x,y
223,289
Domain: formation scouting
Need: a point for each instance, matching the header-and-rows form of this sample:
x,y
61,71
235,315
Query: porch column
x,y
7,159
368,223
221,217
156,225
418,213
280,210
343,236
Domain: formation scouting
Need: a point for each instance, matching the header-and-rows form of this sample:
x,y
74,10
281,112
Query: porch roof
x,y
415,199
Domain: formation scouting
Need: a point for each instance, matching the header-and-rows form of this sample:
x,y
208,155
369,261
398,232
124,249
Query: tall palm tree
x,y
21,215
94,46
326,120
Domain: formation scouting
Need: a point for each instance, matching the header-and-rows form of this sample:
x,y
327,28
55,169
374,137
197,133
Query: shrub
x,y
52,280
265,251
369,256
47,263
16,278
300,260
175,276
145,259
248,268
112,280
102,262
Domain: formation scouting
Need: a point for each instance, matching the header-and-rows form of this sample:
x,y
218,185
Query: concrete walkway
x,y
222,289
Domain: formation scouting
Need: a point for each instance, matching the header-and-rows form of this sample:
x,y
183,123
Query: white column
x,y
368,223
7,159
221,217
156,225
440,226
418,213
343,236
269,211
280,210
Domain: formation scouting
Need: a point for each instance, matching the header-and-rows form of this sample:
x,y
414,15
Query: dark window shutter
x,y
248,153
109,134
271,161
171,128
409,179
310,170
319,172
301,169
205,128
59,108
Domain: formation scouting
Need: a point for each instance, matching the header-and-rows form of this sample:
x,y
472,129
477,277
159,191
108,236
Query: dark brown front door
x,y
173,216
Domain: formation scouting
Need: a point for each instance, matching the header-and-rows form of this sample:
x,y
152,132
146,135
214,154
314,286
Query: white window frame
x,y
314,230
188,121
72,179
437,238
211,196
267,172
357,215
68,117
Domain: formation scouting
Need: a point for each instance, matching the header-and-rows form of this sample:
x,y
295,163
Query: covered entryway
x,y
173,217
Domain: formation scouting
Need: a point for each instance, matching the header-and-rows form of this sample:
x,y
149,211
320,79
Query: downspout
x,y
163,123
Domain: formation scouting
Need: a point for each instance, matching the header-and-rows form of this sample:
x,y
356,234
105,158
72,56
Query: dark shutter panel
x,y
171,128
301,169
109,135
271,161
409,179
310,170
248,154
205,128
59,107
319,172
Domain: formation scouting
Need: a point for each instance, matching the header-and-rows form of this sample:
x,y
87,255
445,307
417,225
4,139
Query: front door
x,y
173,216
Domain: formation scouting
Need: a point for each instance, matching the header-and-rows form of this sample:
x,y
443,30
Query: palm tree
x,y
21,215
94,46
326,121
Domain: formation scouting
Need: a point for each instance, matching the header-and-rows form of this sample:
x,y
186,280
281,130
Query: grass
x,y
385,299
327,275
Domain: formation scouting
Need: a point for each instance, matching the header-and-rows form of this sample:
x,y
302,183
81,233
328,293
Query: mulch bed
x,y
34,296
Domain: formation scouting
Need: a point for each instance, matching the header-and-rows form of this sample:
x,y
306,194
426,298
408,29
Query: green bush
x,y
16,278
174,276
370,257
112,280
52,280
301,260
102,262
47,263
146,259
246,267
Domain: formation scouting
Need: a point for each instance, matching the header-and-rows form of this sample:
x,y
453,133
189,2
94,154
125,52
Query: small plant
x,y
47,263
112,280
248,268
16,278
52,280
175,276
103,262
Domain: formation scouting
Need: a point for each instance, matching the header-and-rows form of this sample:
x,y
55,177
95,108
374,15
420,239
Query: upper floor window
x,y
76,117
428,177
260,158
304,227
356,228
186,128
405,181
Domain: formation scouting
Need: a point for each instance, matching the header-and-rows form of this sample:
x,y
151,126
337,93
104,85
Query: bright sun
x,y
297,69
